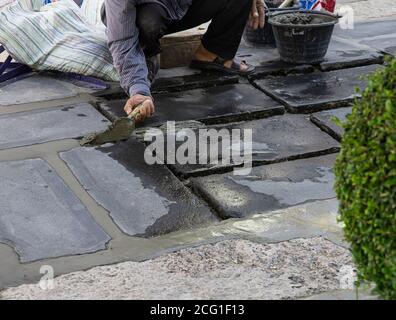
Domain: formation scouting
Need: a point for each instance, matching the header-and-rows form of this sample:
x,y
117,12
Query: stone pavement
x,y
274,232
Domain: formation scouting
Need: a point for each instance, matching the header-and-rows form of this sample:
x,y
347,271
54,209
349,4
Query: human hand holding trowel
x,y
138,108
146,110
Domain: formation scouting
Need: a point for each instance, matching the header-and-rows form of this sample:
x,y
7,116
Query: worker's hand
x,y
257,15
145,112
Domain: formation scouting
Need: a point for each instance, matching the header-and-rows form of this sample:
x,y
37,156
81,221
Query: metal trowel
x,y
121,129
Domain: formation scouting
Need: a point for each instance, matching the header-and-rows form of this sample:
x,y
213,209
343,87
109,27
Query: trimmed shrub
x,y
366,182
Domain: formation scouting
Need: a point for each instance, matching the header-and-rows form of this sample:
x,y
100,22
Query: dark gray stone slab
x,y
267,61
275,139
363,30
32,127
379,35
317,91
385,44
34,89
143,200
40,217
325,121
175,80
210,105
269,187
343,54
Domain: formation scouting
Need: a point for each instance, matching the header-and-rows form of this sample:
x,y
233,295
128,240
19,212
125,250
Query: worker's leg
x,y
229,18
152,21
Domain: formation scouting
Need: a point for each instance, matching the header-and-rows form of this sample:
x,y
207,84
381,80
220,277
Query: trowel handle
x,y
136,112
286,3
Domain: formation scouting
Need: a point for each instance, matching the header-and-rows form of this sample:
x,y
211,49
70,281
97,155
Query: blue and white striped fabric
x,y
57,36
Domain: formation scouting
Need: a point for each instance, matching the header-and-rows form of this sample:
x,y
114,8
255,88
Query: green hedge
x,y
366,182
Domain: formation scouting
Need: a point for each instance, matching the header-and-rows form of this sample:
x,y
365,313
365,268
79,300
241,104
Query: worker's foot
x,y
153,66
207,60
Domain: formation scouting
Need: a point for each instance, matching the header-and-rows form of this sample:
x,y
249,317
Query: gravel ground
x,y
235,269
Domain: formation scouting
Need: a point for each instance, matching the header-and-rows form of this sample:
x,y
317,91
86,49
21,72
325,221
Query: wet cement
x,y
301,19
120,130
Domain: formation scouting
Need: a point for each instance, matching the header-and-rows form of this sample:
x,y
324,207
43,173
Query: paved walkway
x,y
183,231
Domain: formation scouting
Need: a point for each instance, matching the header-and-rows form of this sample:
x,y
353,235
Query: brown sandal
x,y
218,65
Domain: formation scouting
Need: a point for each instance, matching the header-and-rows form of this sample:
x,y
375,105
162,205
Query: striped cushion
x,y
56,36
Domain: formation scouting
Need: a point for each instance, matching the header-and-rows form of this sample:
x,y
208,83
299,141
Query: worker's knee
x,y
150,29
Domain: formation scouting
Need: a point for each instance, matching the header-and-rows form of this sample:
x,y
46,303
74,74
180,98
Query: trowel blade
x,y
120,130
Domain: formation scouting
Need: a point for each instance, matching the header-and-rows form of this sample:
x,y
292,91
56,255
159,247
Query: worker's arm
x,y
128,57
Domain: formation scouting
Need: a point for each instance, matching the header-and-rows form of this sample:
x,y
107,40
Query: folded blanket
x,y
57,36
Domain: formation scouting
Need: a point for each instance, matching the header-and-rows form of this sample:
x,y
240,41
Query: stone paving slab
x,y
35,89
209,105
44,125
267,62
40,217
143,200
343,54
175,80
275,139
317,91
364,30
385,44
379,35
324,120
269,187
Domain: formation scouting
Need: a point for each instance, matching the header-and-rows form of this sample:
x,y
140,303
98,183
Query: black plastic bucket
x,y
304,43
264,36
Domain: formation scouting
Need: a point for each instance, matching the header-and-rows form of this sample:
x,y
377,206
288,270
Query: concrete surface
x,y
235,269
